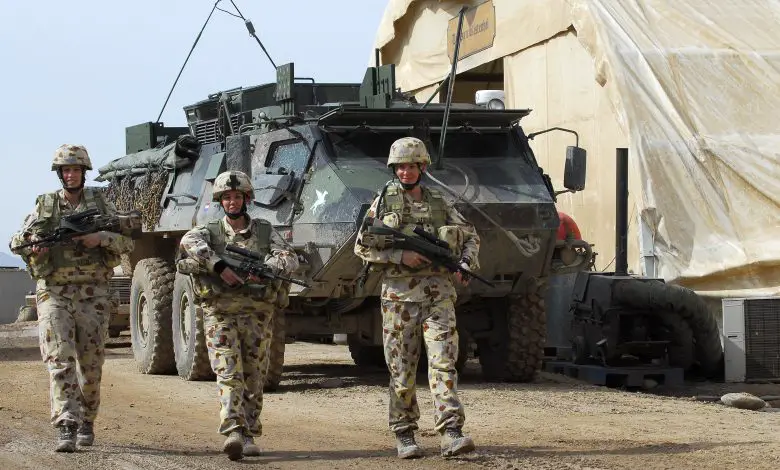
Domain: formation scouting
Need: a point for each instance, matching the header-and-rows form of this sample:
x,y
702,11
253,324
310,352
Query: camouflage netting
x,y
137,181
141,193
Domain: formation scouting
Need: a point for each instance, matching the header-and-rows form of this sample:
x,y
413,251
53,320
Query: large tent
x,y
692,88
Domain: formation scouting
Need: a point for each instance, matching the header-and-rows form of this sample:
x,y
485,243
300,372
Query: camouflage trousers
x,y
403,324
72,328
238,346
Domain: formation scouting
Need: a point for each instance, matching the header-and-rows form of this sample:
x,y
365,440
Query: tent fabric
x,y
694,86
697,87
421,54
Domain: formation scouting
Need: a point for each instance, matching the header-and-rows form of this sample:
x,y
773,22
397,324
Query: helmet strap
x,y
237,215
77,188
409,186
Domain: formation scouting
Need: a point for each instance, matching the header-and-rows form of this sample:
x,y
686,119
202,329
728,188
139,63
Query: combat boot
x,y
234,445
86,434
453,442
406,445
66,442
250,448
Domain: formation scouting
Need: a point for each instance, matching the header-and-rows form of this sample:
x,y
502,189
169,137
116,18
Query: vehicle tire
x,y
114,332
276,353
27,313
365,355
150,316
656,295
675,329
516,351
189,338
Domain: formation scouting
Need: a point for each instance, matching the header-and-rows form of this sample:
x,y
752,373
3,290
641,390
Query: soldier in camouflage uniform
x,y
73,297
237,313
418,300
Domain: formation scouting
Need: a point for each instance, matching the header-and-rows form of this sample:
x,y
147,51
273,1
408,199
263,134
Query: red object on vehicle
x,y
568,227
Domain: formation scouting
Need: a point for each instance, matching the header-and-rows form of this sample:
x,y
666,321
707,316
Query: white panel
x,y
734,339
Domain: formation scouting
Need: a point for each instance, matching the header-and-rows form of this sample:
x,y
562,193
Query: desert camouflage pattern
x,y
71,263
72,326
232,181
204,244
238,343
238,321
408,150
402,325
403,284
73,303
415,305
69,154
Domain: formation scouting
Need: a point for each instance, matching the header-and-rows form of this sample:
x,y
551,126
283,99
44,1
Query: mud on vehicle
x,y
316,155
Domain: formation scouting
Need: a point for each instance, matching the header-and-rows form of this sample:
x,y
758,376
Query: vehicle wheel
x,y
516,352
687,305
276,354
27,313
150,316
682,351
189,338
579,351
365,355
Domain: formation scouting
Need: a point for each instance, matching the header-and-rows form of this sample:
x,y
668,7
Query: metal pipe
x,y
440,161
621,209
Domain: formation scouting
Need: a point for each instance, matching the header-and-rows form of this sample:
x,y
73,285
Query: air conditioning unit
x,y
751,339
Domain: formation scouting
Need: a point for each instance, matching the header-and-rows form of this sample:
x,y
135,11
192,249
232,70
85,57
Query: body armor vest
x,y
430,214
57,265
209,285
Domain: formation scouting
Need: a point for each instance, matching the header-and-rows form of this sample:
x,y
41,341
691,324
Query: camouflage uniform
x,y
237,321
73,298
421,301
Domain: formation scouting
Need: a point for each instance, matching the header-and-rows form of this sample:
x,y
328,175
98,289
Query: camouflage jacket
x,y
205,244
401,284
69,263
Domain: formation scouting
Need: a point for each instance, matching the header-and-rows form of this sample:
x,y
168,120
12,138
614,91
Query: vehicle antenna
x,y
251,29
440,160
187,59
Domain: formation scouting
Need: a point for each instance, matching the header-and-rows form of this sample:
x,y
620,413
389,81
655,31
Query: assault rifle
x,y
426,244
87,222
248,262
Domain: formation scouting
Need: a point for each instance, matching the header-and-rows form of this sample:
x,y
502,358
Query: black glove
x,y
187,146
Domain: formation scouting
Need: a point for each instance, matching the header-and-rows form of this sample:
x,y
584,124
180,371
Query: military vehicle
x,y
316,154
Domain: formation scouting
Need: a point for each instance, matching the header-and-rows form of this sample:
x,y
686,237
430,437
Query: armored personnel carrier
x,y
316,154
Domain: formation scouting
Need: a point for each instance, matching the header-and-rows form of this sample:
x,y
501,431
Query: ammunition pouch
x,y
454,236
379,242
188,266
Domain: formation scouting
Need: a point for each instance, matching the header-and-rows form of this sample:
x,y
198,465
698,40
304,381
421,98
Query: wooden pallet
x,y
617,376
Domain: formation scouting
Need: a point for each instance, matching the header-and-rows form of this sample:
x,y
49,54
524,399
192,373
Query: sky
x,y
82,71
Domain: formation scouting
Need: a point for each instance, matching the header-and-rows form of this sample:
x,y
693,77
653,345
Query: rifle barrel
x,y
242,252
82,215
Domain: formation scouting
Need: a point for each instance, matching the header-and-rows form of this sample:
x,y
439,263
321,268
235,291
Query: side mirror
x,y
574,172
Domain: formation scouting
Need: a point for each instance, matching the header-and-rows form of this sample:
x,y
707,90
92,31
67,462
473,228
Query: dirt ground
x,y
162,422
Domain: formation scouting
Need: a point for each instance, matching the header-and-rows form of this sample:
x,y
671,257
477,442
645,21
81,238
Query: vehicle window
x,y
291,155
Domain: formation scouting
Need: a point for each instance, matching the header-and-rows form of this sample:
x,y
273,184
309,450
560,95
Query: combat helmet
x,y
68,154
232,181
408,150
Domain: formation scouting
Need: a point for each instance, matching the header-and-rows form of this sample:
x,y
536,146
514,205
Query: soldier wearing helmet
x,y
237,313
73,297
418,299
